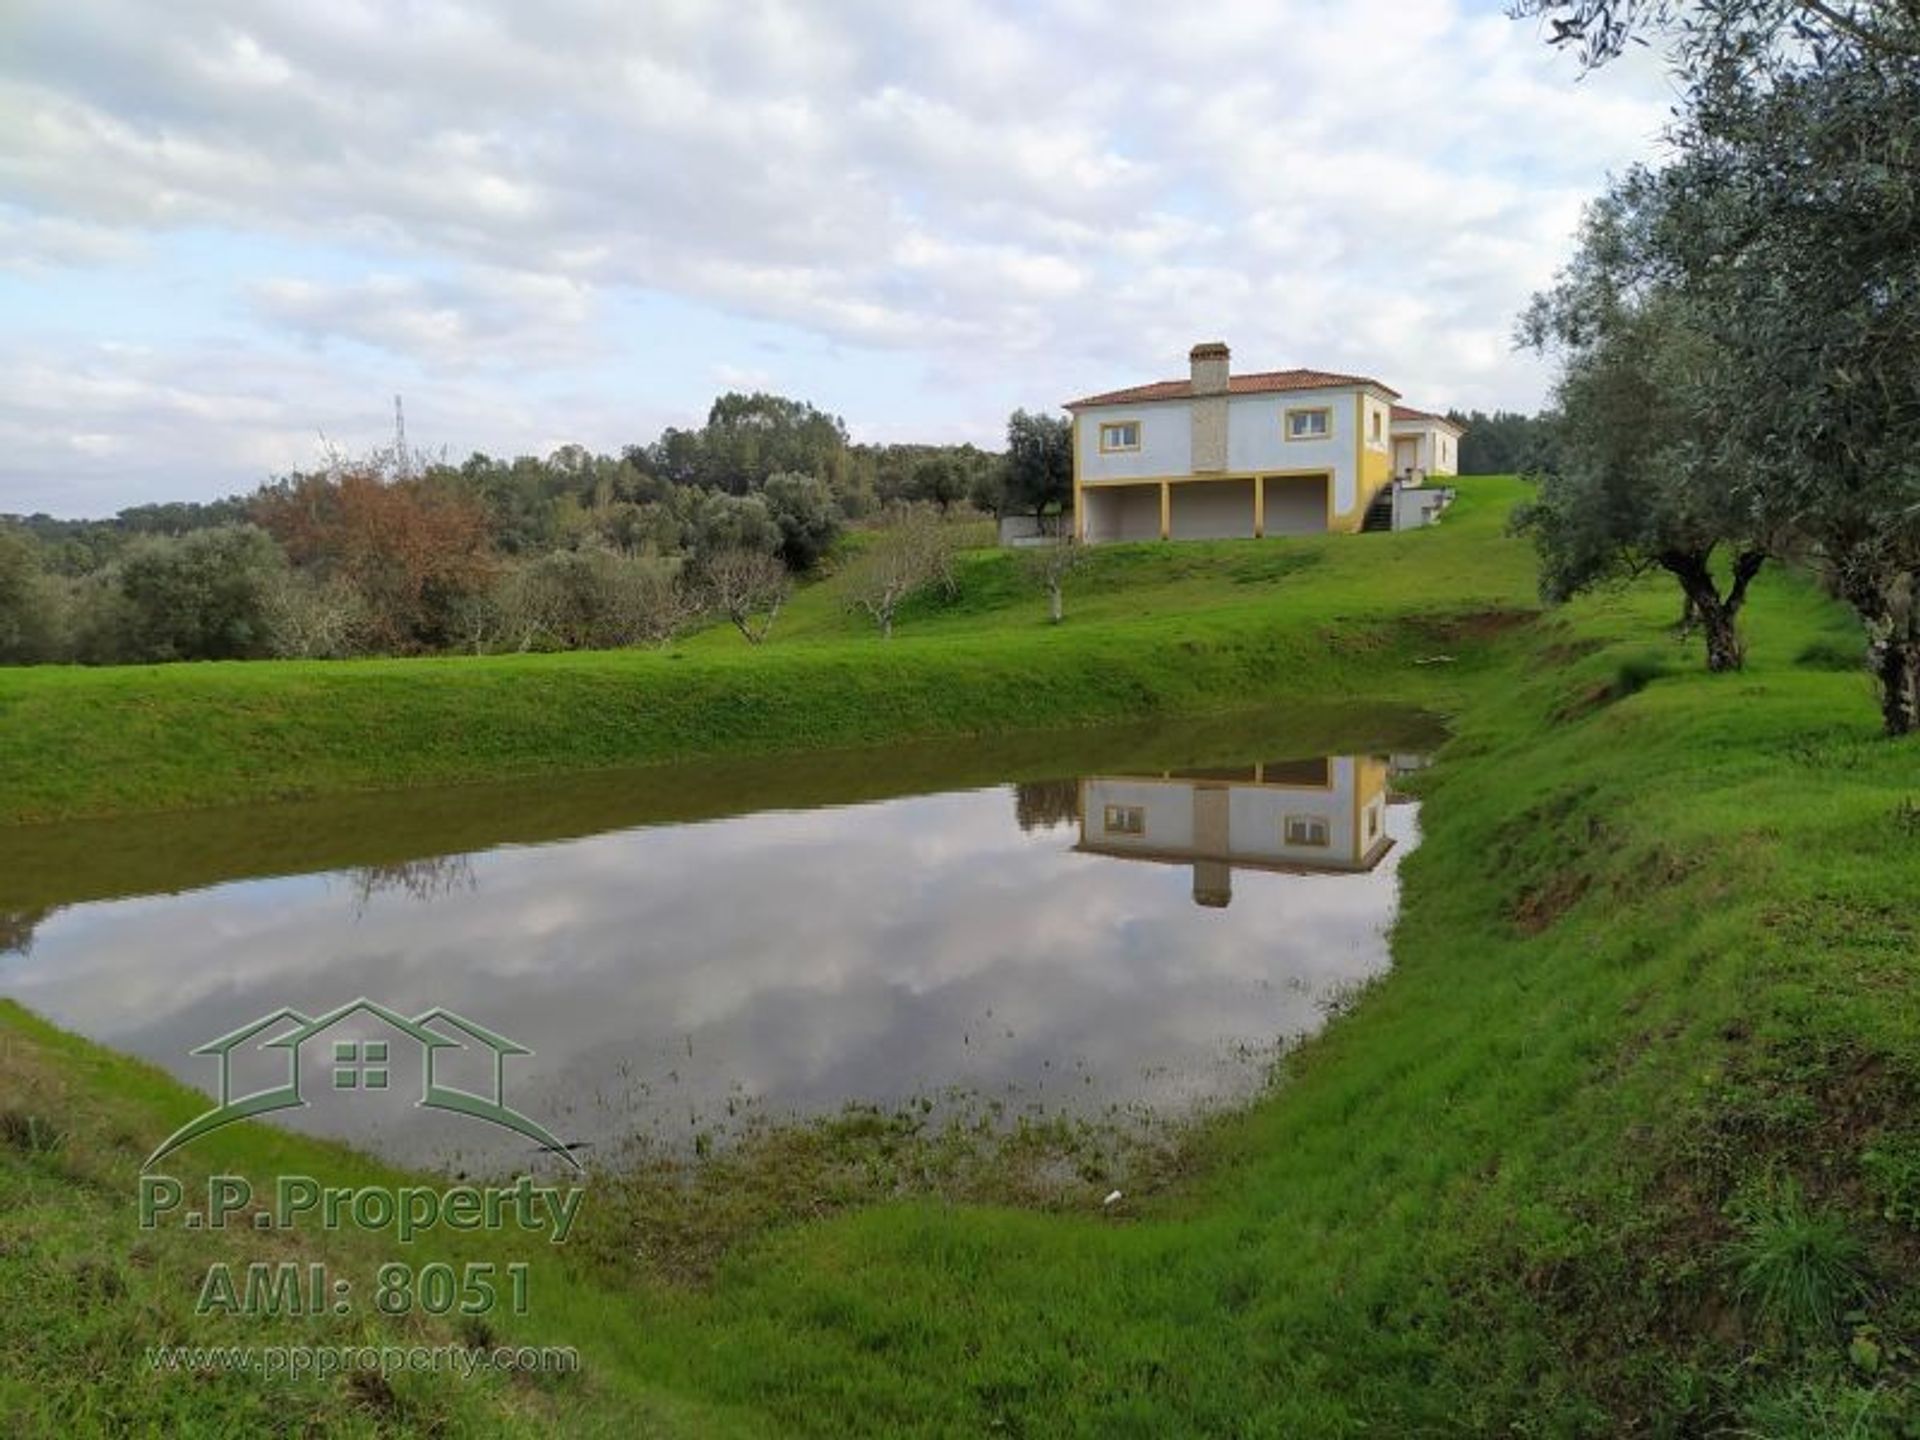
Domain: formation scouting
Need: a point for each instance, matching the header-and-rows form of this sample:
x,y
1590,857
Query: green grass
x,y
1152,629
1624,1143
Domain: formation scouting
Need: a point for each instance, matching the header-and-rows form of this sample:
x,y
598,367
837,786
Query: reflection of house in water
x,y
1325,816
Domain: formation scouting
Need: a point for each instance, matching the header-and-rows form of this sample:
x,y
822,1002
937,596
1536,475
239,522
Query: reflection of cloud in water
x,y
800,959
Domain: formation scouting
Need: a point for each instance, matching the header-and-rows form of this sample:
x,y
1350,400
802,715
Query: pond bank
x,y
1651,1023
1159,631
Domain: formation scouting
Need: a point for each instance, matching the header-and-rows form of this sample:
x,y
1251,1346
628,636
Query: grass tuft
x,y
29,1134
1800,1266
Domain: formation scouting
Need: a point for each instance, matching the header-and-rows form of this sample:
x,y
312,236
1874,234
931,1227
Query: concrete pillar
x,y
1259,507
1166,510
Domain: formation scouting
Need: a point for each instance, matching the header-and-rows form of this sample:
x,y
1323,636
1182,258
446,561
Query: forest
x,y
398,553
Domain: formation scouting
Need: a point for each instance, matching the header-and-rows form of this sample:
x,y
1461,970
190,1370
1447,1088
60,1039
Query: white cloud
x,y
485,316
111,426
1035,200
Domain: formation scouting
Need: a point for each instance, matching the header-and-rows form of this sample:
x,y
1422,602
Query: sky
x,y
231,231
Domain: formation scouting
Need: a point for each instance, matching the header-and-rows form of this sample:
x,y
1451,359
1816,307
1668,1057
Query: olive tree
x,y
1642,478
1703,32
1818,298
1791,227
911,555
714,521
807,516
1039,464
748,587
1049,564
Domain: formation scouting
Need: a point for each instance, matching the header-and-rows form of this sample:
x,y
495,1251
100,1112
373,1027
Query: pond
x,y
1123,923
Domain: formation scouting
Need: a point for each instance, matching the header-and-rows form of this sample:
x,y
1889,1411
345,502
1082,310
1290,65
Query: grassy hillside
x,y
1626,1142
1152,629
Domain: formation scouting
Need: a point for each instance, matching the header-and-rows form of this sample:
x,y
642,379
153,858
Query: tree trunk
x,y
1890,610
1054,605
886,626
1716,616
1896,664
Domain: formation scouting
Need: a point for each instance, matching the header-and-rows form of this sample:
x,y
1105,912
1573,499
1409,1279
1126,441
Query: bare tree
x,y
913,553
1049,565
1043,804
430,878
748,587
654,604
314,619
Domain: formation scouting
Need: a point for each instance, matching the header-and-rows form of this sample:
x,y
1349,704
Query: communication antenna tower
x,y
402,459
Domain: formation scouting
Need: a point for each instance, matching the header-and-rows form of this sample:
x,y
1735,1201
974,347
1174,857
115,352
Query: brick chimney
x,y
1209,362
1209,407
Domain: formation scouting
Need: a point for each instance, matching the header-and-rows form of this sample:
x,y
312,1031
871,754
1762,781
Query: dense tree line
x,y
397,553
1504,443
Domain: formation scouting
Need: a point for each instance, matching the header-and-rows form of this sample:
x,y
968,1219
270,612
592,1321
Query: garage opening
x,y
1212,510
1121,512
1296,504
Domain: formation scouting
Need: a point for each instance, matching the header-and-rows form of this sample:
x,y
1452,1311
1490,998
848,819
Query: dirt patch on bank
x,y
1469,626
1538,907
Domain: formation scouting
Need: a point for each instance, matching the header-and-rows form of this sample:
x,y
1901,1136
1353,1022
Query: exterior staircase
x,y
1379,514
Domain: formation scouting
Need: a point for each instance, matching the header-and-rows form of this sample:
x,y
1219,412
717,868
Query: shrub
x,y
580,600
313,619
202,596
714,522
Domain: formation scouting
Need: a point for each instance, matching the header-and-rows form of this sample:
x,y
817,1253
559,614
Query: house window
x,y
1373,824
359,1066
1126,820
1376,426
1120,435
1306,830
1315,424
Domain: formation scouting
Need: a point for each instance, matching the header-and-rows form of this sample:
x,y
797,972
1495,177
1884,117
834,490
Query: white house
x,y
1225,456
1325,816
1424,444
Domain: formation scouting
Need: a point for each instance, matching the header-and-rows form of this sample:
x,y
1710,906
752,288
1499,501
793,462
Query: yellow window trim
x,y
1286,422
1106,425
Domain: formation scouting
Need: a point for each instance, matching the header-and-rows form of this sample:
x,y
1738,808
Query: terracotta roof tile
x,y
1257,384
1407,412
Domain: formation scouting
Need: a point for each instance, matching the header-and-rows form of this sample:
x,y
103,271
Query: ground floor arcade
x,y
1240,508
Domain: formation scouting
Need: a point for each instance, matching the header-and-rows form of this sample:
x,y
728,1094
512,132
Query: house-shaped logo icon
x,y
362,1065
